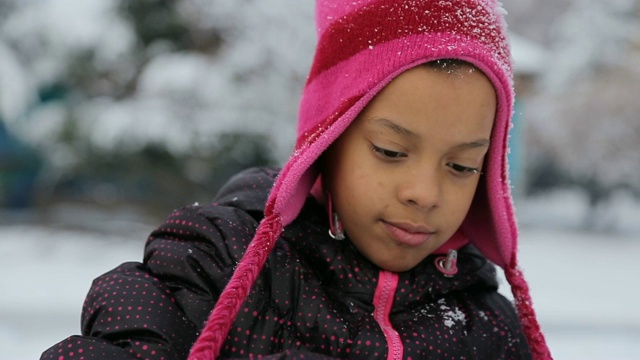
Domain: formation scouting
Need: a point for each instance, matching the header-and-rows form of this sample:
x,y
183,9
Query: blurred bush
x,y
150,103
155,179
20,165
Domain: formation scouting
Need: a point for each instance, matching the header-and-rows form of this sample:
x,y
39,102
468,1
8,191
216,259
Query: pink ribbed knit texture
x,y
362,46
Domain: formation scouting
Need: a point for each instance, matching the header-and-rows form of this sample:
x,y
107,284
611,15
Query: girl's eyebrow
x,y
473,144
400,130
388,124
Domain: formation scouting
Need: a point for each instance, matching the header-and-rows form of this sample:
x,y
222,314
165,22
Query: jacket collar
x,y
345,271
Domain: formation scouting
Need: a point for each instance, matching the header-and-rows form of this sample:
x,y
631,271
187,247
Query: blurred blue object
x,y
20,165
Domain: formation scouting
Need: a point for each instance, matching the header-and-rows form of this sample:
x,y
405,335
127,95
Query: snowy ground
x,y
585,285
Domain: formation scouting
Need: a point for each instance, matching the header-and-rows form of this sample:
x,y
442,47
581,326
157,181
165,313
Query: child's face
x,y
403,175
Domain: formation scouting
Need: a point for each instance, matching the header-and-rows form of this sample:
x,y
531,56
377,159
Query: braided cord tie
x,y
524,306
209,343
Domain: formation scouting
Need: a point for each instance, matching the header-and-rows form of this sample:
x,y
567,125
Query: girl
x,y
378,237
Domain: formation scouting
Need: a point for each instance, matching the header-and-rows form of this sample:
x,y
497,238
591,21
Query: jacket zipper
x,y
382,302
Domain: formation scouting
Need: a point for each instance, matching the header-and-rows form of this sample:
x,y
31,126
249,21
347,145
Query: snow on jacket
x,y
315,295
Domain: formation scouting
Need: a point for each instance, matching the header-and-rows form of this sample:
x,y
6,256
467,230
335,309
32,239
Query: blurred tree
x,y
6,8
161,20
90,99
155,20
19,168
155,179
582,126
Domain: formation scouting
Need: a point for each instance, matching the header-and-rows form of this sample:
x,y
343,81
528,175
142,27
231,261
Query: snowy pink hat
x,y
362,46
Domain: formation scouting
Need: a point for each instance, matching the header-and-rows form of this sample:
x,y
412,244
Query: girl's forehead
x,y
424,101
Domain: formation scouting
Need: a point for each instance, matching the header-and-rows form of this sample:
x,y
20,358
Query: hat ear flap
x,y
526,314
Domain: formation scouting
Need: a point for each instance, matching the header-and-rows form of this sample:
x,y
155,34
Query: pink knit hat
x,y
362,46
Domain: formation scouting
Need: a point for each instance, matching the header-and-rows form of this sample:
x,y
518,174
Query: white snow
x,y
584,285
528,57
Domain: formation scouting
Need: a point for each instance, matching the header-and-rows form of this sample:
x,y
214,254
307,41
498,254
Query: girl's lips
x,y
407,234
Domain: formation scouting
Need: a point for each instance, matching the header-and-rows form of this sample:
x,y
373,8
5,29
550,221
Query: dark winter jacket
x,y
314,295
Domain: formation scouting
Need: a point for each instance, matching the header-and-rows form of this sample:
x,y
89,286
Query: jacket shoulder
x,y
197,247
222,228
248,190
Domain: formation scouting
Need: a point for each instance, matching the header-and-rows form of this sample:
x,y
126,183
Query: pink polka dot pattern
x,y
314,298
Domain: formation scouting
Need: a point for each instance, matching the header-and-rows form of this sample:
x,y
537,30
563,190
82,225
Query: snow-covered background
x,y
254,78
243,70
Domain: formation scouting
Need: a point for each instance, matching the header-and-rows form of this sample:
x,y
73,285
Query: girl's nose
x,y
420,189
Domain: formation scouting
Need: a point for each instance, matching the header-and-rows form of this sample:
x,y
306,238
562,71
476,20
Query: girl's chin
x,y
394,265
394,258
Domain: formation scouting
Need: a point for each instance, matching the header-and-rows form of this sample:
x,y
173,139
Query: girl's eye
x,y
463,170
389,154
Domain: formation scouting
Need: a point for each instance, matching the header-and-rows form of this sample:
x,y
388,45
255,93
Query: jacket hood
x,y
248,190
